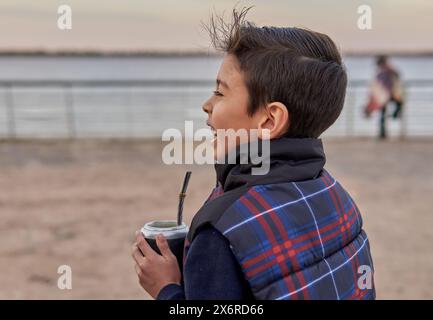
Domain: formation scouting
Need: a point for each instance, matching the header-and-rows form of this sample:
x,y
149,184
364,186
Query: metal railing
x,y
144,108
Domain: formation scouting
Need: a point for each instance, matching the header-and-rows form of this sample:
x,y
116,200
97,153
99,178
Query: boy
x,y
294,232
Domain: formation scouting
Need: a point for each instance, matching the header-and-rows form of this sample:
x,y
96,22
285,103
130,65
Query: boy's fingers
x,y
138,270
142,276
144,246
137,255
162,244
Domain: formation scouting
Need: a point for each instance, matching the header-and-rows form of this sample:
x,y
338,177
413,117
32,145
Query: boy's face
x,y
227,107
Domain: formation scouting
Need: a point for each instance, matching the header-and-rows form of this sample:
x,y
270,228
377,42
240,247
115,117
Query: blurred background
x,y
82,111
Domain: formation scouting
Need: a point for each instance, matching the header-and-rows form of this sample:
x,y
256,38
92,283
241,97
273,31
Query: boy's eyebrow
x,y
221,82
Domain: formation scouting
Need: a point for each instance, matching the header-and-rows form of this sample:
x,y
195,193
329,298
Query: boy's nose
x,y
207,107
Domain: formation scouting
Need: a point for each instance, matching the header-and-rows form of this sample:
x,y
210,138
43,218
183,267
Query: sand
x,y
78,203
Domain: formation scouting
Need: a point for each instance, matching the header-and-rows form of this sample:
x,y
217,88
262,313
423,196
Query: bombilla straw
x,y
182,196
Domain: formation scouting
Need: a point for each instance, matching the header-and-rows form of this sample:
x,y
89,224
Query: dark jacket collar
x,y
290,160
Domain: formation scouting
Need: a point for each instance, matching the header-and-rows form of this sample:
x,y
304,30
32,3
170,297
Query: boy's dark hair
x,y
300,68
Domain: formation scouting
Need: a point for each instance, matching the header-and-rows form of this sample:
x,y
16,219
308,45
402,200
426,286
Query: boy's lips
x,y
212,128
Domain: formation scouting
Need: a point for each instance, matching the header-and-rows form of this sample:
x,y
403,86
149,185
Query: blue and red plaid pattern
x,y
298,240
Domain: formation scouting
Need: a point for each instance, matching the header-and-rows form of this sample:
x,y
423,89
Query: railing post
x,y
129,114
10,110
404,119
70,111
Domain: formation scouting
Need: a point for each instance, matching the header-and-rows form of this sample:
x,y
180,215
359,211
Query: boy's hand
x,y
154,271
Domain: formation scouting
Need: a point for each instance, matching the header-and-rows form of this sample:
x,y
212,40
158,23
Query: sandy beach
x,y
79,203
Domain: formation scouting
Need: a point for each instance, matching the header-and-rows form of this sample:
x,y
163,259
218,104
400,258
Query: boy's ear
x,y
275,118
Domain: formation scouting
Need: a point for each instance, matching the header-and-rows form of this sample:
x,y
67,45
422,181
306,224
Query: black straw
x,y
182,196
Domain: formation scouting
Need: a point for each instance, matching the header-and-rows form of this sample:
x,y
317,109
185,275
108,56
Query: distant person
x,y
293,232
385,88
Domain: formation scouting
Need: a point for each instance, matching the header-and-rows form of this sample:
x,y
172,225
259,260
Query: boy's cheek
x,y
226,116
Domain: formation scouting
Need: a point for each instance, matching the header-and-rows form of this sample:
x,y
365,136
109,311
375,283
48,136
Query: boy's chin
x,y
220,151
218,154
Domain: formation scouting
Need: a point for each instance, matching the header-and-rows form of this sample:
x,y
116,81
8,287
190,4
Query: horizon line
x,y
181,53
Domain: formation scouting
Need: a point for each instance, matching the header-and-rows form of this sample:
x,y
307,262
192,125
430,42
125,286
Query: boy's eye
x,y
217,93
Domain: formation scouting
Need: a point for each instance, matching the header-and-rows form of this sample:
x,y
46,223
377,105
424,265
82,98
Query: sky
x,y
175,25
